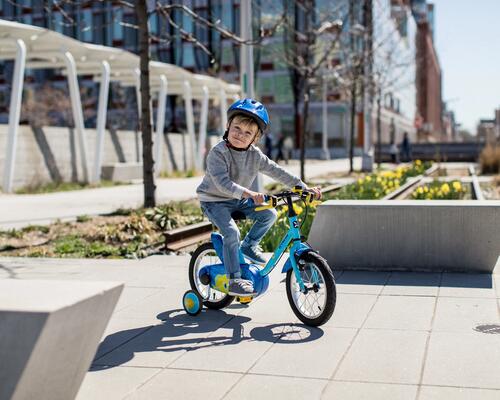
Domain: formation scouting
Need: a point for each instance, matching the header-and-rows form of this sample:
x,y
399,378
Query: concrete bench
x,y
408,235
122,172
49,334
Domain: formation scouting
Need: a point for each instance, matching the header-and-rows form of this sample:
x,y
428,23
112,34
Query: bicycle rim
x,y
313,303
206,257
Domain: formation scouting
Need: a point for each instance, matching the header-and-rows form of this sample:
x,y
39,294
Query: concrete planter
x,y
49,333
408,235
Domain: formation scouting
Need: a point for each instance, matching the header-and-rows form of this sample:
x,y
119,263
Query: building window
x,y
117,26
86,25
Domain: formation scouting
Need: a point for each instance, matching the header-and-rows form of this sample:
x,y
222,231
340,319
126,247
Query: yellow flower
x,y
457,186
445,188
379,179
360,181
420,190
368,179
426,189
297,209
418,162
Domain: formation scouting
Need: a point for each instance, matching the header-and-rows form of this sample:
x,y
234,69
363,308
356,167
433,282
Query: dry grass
x,y
490,160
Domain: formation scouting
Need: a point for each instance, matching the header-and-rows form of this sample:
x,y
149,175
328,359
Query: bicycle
x,y
310,284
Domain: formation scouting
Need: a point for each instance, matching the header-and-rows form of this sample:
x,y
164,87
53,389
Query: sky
x,y
467,39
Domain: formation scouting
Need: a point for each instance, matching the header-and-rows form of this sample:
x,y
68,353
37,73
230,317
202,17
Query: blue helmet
x,y
252,108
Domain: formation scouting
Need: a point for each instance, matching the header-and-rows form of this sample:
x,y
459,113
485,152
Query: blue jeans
x,y
219,213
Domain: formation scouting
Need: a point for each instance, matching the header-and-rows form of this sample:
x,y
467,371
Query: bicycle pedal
x,y
244,300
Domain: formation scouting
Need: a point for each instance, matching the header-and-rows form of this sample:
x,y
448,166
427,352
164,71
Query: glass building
x,y
110,23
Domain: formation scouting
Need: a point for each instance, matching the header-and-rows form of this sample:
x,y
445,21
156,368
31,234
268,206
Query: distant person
x,y
406,148
393,151
268,146
279,148
287,148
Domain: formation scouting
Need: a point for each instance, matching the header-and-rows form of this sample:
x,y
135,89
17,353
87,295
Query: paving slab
x,y
321,351
122,330
387,356
364,282
159,345
457,393
412,284
114,383
402,312
232,348
463,360
351,310
464,314
253,387
467,285
186,385
368,391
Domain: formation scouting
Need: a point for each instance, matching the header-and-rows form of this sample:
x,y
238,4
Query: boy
x,y
232,166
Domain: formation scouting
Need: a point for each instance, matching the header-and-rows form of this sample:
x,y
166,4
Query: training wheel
x,y
192,302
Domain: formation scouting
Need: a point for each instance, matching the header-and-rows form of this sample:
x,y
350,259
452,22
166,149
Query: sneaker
x,y
253,254
240,287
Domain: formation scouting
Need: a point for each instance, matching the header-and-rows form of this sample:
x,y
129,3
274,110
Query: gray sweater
x,y
230,172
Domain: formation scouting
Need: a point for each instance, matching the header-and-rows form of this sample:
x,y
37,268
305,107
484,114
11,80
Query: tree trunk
x,y
379,129
353,124
303,136
147,143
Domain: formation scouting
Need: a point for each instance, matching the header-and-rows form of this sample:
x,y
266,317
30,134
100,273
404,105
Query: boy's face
x,y
242,135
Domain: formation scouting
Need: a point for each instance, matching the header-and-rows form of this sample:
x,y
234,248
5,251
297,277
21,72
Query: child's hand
x,y
317,192
258,198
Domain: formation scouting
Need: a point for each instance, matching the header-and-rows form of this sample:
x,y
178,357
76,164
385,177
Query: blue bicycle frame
x,y
293,235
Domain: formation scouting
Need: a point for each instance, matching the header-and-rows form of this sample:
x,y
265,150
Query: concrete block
x,y
49,333
122,172
409,235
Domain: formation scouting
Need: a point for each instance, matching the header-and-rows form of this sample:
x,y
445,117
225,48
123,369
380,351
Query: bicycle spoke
x,y
312,303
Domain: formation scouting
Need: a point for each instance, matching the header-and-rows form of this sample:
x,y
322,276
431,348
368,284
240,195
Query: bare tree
x,y
306,56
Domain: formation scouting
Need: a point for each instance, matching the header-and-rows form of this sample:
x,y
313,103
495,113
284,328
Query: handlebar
x,y
297,191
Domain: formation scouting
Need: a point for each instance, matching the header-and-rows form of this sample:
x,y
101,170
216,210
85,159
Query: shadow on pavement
x,y
401,278
179,331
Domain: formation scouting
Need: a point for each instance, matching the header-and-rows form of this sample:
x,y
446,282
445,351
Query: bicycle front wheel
x,y
316,306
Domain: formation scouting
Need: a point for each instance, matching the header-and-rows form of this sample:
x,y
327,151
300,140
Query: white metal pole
x,y
188,104
246,66
137,73
160,124
14,114
101,120
76,105
223,109
246,51
326,153
202,135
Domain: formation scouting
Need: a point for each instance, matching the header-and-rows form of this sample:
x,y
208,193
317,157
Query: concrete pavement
x,y
17,211
392,336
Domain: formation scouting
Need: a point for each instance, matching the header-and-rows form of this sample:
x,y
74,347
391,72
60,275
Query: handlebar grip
x,y
273,203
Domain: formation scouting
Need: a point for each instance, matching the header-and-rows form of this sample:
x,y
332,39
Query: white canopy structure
x,y
34,47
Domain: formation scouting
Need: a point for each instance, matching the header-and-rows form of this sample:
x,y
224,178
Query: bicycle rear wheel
x,y
212,298
315,307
